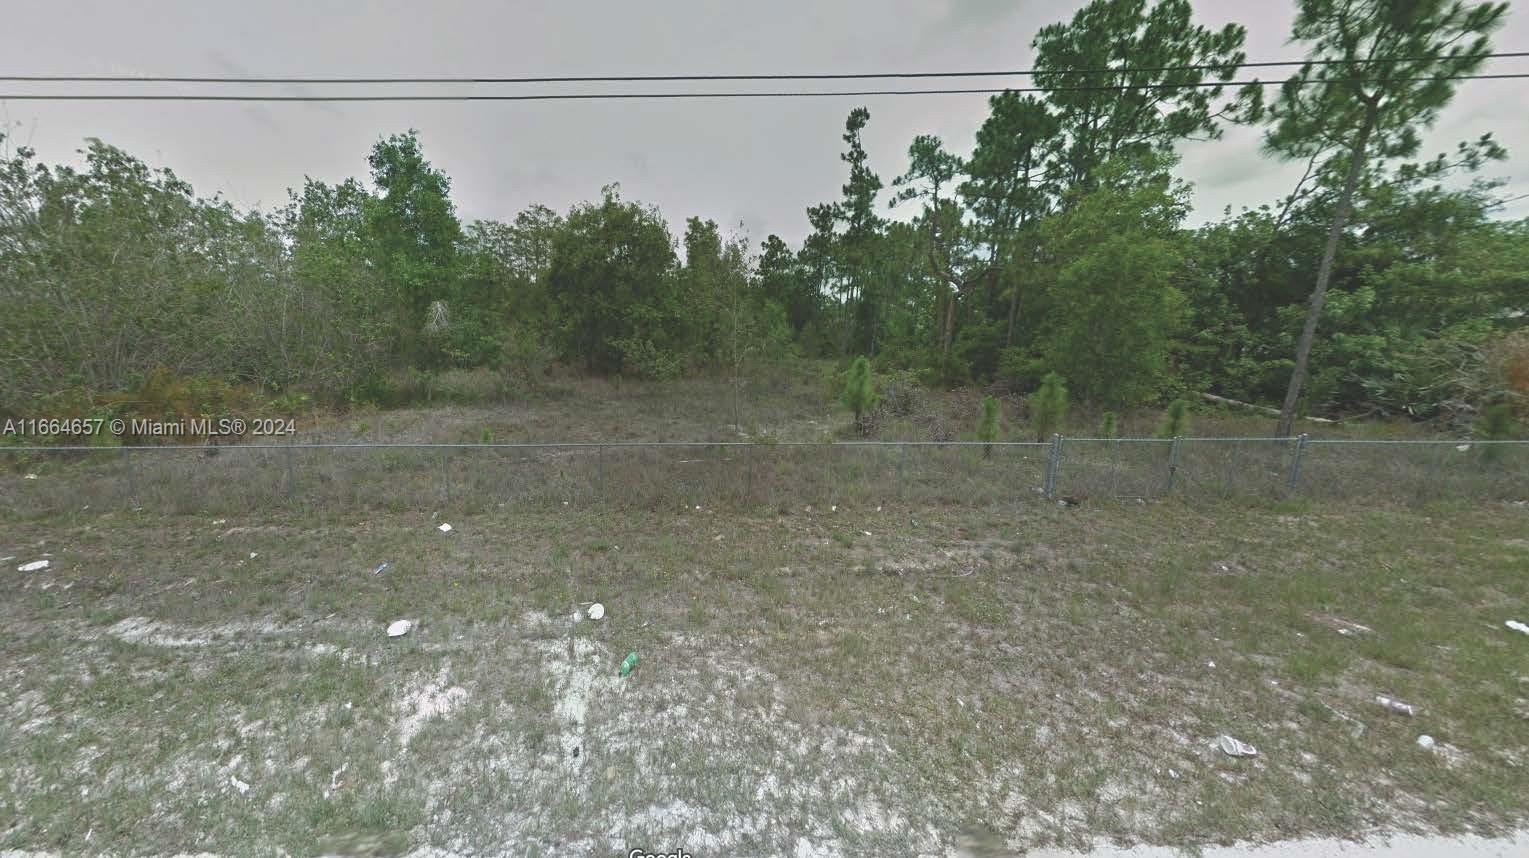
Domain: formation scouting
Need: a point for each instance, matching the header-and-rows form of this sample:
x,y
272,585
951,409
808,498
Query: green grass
x,y
1030,672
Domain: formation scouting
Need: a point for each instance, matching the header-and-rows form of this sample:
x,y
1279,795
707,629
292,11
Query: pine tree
x,y
1048,406
1378,72
1110,426
987,425
859,393
1176,420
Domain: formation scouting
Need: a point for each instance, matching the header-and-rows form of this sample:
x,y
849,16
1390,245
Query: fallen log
x,y
1272,412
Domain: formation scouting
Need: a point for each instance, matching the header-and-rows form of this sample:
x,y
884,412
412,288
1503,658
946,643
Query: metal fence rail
x,y
239,478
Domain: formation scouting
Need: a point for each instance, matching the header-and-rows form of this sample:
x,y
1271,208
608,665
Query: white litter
x,y
34,566
866,532
239,785
1425,742
399,628
254,554
1517,626
1395,705
30,477
596,611
1234,748
1462,447
219,522
444,528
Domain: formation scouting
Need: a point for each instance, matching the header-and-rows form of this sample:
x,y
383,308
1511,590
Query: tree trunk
x,y
1324,274
950,323
1008,340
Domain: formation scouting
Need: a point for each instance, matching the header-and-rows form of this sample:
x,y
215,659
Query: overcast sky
x,y
755,161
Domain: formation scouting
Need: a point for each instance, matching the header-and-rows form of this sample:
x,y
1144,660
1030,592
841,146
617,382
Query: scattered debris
x,y
219,522
1235,748
239,785
444,528
399,628
30,477
1072,500
254,554
34,566
1462,447
596,611
1396,705
1358,725
629,664
1426,742
866,532
380,568
1515,625
1340,625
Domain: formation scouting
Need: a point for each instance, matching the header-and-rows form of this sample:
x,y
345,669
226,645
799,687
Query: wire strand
x,y
259,79
597,96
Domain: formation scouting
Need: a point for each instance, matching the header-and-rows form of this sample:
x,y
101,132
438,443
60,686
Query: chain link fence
x,y
235,479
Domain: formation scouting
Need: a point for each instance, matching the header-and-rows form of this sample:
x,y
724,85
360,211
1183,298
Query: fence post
x,y
132,477
291,485
1053,459
291,474
748,474
600,472
1295,461
1173,463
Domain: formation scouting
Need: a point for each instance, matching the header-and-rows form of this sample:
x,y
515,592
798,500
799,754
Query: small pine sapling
x,y
859,391
1048,406
987,425
1176,420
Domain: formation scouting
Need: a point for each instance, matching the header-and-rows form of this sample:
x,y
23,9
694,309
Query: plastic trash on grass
x,y
1235,748
399,628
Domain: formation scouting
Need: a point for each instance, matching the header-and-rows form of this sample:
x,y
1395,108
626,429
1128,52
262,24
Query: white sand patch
x,y
578,680
1397,846
426,701
143,630
807,849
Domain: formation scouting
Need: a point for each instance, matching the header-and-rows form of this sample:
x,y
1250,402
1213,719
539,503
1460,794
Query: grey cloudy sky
x,y
755,161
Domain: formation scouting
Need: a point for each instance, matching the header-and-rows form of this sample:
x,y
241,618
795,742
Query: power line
x,y
598,96
257,79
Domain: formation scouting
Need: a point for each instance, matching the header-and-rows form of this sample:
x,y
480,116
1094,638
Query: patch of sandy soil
x,y
426,700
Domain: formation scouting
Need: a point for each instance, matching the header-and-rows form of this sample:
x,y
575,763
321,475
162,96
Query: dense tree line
x,y
1056,248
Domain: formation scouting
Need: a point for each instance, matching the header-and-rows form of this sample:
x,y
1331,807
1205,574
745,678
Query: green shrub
x,y
645,360
1497,424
